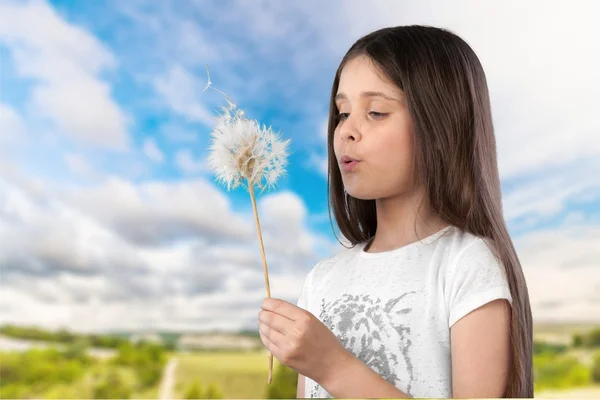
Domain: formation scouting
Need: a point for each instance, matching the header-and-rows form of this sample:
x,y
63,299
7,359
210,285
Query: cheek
x,y
337,142
398,148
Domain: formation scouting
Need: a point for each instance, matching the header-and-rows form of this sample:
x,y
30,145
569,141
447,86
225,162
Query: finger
x,y
283,308
272,347
274,337
275,321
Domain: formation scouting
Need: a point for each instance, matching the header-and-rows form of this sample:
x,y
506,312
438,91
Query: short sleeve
x,y
304,298
477,278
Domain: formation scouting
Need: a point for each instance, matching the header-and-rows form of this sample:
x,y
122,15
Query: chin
x,y
361,193
371,193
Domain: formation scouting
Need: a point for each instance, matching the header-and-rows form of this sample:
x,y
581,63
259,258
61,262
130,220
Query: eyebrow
x,y
342,96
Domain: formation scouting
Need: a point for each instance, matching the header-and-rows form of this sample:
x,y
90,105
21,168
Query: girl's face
x,y
374,128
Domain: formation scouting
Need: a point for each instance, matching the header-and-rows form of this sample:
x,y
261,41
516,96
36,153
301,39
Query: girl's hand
x,y
299,340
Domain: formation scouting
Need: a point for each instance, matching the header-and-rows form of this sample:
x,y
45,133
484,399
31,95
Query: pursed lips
x,y
348,163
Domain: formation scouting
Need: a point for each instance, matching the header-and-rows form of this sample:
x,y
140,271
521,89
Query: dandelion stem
x,y
264,261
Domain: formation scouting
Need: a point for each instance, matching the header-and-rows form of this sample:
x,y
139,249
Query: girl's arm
x,y
481,351
480,360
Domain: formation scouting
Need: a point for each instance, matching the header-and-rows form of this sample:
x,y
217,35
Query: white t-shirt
x,y
393,310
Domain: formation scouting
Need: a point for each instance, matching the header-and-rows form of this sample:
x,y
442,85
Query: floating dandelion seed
x,y
248,154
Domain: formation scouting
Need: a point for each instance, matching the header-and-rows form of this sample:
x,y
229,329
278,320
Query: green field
x,y
563,369
591,392
235,374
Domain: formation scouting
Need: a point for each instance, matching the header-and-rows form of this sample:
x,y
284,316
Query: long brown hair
x,y
455,157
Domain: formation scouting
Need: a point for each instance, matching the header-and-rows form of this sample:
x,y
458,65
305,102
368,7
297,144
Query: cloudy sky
x,y
109,218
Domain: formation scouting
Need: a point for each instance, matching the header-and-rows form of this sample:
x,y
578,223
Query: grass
x,y
568,329
590,392
237,374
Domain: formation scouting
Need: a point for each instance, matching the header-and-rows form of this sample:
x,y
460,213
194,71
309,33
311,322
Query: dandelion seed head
x,y
244,150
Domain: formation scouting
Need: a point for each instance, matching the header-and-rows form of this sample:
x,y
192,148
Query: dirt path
x,y
168,381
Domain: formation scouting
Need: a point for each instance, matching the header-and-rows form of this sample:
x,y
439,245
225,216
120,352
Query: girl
x,y
430,299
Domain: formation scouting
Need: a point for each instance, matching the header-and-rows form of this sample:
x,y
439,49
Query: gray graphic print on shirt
x,y
376,331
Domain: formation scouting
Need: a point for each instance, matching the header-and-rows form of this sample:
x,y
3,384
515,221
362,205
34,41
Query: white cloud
x,y
177,134
153,212
539,198
318,158
188,164
562,270
12,127
318,162
75,248
79,165
284,217
65,62
180,91
152,151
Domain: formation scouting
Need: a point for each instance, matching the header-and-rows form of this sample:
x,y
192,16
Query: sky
x,y
111,220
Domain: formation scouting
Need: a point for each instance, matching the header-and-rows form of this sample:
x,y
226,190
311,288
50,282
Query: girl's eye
x,y
372,114
377,115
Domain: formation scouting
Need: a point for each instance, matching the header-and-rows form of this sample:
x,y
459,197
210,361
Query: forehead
x,y
360,75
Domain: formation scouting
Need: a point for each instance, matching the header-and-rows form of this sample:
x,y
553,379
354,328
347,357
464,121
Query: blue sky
x,y
106,205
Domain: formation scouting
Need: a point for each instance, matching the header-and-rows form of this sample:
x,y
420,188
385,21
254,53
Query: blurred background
x,y
126,272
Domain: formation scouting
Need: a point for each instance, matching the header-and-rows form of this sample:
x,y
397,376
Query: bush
x,y
596,369
40,367
78,351
548,348
593,338
112,386
213,392
284,385
149,375
147,359
33,372
14,391
195,392
559,371
589,339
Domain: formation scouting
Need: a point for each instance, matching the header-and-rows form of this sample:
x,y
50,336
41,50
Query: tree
x,y
596,369
593,338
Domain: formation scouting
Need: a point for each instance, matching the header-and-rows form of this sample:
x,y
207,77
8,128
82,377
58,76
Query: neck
x,y
402,220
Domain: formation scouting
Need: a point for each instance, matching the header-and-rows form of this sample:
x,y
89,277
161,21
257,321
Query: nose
x,y
349,130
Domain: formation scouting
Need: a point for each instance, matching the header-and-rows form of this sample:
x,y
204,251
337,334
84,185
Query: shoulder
x,y
474,275
464,248
474,252
320,272
342,255
323,270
